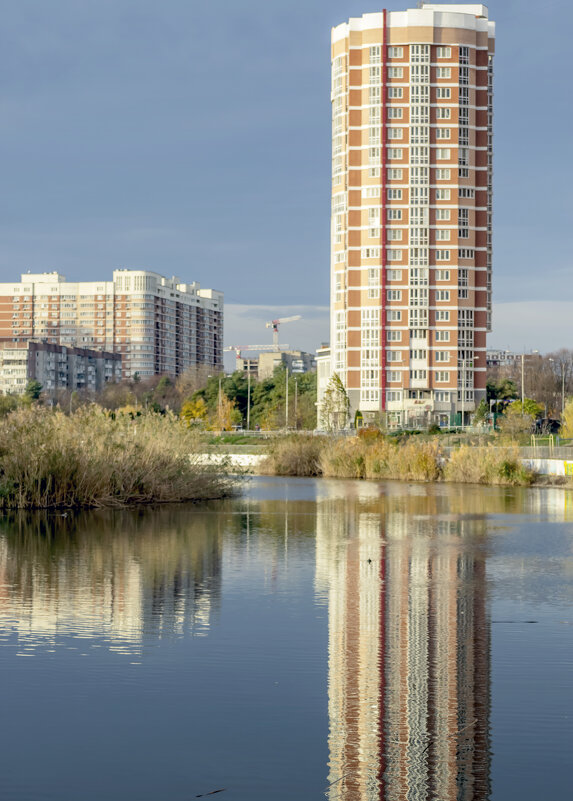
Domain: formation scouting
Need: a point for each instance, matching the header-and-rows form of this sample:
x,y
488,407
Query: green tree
x,y
335,405
33,391
8,403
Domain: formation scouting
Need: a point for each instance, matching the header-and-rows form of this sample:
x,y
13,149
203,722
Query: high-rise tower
x,y
411,250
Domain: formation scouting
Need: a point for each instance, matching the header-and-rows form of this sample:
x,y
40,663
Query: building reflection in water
x,y
409,653
120,578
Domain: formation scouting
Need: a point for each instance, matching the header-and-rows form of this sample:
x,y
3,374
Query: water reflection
x,y
119,578
409,660
399,572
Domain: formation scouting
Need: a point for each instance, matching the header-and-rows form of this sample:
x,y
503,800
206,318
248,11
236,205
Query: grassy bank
x,y
380,457
91,459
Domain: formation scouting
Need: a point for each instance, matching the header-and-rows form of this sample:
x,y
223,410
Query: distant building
x,y
158,325
295,361
501,358
56,367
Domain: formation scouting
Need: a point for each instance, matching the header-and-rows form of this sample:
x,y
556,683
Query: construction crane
x,y
274,324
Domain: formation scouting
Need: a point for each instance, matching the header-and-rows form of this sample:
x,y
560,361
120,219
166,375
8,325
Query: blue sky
x,y
194,139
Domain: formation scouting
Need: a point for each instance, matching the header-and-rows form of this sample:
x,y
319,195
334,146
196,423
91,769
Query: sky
x,y
193,139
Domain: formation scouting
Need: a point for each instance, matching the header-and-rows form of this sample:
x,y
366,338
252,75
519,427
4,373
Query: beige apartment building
x,y
158,325
411,247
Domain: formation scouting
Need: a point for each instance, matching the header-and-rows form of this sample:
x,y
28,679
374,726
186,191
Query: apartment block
x,y
158,325
56,367
411,222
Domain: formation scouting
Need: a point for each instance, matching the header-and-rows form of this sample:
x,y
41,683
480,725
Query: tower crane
x,y
274,324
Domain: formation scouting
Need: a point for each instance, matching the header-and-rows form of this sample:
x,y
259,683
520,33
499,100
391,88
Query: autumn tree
x,y
335,405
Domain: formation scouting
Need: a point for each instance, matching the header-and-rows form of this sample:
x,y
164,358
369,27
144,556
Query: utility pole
x,y
295,402
248,400
522,382
286,393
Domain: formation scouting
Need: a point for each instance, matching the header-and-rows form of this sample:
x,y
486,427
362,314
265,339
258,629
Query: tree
x,y
33,391
567,424
482,412
194,411
8,403
335,405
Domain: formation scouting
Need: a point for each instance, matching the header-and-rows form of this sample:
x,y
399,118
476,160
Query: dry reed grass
x,y
295,455
487,465
90,459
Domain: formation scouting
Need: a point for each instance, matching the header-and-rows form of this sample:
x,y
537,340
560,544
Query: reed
x,y
487,465
381,457
91,459
294,455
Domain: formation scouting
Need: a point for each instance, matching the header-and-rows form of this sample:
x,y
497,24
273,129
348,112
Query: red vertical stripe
x,y
383,219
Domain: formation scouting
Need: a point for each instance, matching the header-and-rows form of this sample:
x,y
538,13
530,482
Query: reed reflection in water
x,y
120,578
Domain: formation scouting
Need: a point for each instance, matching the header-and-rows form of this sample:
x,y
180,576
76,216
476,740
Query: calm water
x,y
312,639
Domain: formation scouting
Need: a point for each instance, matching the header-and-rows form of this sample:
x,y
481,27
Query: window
x,y
418,375
466,253
443,93
375,54
442,194
394,113
442,153
338,257
393,375
442,295
373,282
371,191
395,52
371,253
395,152
443,376
442,356
373,215
374,74
443,133
442,255
443,113
395,91
373,172
395,72
442,214
394,234
393,396
393,336
442,336
394,255
393,356
374,136
442,236
374,155
465,191
393,214
442,397
394,194
393,315
443,175
464,55
394,275
442,275
373,233
394,294
394,174
395,133
442,316
443,52
374,95
443,72
418,354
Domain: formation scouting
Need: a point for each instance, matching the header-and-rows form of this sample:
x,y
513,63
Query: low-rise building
x,y
55,367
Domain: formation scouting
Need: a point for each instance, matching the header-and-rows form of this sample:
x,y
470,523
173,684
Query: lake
x,y
309,639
